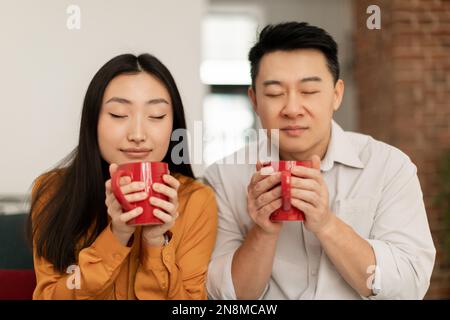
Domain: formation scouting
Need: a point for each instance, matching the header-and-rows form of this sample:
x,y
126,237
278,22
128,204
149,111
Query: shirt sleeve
x,y
401,239
92,278
229,239
171,272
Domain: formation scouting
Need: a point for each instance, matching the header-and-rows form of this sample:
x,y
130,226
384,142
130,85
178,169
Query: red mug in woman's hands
x,y
149,173
287,212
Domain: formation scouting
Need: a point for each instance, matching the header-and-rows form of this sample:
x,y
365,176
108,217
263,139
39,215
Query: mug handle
x,y
116,189
286,190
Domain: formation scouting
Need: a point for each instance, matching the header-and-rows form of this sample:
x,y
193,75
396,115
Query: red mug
x,y
149,173
287,212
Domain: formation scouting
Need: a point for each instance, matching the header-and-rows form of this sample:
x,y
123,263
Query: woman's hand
x,y
118,218
167,211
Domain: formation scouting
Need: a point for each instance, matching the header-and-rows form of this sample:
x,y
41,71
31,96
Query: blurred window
x,y
225,70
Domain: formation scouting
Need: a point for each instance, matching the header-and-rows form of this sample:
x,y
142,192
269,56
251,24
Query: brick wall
x,y
402,74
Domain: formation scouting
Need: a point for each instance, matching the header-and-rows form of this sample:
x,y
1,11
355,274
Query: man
x,y
366,233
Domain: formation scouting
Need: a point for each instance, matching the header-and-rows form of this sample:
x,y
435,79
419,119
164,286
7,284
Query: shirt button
x,y
314,273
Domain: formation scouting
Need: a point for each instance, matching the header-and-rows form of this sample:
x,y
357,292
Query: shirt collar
x,y
340,149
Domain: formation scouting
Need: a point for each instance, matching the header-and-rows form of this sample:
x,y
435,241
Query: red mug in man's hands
x,y
287,212
149,173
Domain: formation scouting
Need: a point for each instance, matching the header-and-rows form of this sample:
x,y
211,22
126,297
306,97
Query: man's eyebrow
x,y
126,101
315,78
306,79
271,82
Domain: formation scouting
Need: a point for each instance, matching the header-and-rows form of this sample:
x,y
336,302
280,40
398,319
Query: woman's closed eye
x,y
157,117
118,116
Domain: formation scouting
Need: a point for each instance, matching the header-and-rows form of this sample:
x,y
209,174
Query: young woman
x,y
83,246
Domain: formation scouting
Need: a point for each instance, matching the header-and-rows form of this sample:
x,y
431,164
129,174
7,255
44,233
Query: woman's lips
x,y
136,155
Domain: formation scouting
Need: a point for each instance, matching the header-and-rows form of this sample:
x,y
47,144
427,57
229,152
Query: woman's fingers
x,y
171,181
138,196
112,168
125,217
132,187
165,205
113,205
164,217
122,181
165,190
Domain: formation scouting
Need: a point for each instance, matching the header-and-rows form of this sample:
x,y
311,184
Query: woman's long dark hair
x,y
68,204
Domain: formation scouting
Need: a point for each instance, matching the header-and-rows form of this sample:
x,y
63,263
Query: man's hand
x,y
309,193
263,199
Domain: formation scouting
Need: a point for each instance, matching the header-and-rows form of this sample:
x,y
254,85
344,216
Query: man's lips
x,y
294,131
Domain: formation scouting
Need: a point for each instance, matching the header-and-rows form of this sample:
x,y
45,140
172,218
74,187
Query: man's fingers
x,y
259,165
310,197
315,162
267,183
305,172
268,197
268,209
306,184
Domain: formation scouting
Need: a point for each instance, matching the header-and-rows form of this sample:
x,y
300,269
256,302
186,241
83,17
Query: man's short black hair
x,y
290,36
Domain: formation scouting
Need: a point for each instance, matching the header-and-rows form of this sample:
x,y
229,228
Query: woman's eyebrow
x,y
157,101
126,101
119,100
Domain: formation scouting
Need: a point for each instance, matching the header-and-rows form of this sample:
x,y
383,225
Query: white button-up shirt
x,y
373,187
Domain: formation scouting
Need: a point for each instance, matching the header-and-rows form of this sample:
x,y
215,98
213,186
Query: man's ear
x,y
338,94
252,96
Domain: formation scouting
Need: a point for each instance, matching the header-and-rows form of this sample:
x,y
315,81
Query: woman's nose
x,y
136,131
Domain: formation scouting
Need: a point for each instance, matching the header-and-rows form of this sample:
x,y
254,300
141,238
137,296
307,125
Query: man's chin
x,y
293,149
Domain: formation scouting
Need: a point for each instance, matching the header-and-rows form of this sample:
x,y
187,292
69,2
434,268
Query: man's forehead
x,y
303,65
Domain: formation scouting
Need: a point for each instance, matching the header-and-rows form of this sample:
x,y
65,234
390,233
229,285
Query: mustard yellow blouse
x,y
110,270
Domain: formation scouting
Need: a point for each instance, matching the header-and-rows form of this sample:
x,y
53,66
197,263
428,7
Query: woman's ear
x,y
338,94
252,96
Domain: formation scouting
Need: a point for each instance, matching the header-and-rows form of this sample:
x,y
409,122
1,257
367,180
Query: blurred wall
x,y
403,77
46,69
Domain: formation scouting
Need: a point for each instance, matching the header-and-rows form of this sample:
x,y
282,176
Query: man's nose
x,y
294,106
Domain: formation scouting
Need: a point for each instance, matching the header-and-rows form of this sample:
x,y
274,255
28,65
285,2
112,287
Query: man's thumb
x,y
315,162
258,165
